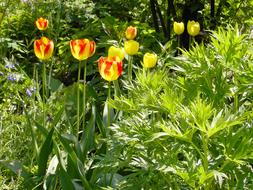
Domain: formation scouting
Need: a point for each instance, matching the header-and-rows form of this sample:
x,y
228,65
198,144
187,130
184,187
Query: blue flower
x,y
11,78
10,66
30,91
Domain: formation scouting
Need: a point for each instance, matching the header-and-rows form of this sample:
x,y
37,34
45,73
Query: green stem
x,y
36,88
116,88
178,44
130,67
108,107
50,77
78,99
191,42
84,93
44,93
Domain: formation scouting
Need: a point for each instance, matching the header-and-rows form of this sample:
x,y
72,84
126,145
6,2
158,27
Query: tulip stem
x,y
108,107
44,84
191,41
78,97
130,67
178,44
84,93
116,88
34,83
50,78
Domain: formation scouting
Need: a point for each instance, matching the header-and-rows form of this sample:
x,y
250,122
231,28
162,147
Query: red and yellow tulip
x,y
110,68
149,60
43,48
82,49
131,32
115,51
131,47
193,28
178,27
41,23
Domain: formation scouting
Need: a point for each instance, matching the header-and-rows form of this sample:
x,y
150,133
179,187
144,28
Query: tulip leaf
x,y
44,153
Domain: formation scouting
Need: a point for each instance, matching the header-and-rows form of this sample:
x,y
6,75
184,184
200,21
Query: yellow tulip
x,y
82,49
41,23
193,28
110,68
43,48
131,32
115,51
149,60
131,47
178,27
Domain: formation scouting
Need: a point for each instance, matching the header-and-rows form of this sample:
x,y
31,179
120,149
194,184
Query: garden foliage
x,y
156,115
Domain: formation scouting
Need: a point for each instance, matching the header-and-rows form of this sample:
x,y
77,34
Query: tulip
x,y
43,48
110,68
149,60
178,27
131,47
42,23
82,49
131,32
115,51
193,28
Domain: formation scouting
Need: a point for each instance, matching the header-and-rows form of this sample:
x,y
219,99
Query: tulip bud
x,y
82,49
131,32
43,48
178,27
149,60
193,28
41,23
110,68
131,47
115,51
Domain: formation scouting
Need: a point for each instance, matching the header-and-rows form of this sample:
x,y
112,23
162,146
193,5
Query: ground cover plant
x,y
126,95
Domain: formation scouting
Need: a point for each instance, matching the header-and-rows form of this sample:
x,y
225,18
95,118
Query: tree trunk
x,y
161,19
170,11
154,15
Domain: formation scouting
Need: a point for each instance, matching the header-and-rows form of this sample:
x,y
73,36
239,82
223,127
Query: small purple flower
x,y
30,91
10,66
11,78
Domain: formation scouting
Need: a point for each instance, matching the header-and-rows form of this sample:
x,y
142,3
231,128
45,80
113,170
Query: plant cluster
x,y
94,99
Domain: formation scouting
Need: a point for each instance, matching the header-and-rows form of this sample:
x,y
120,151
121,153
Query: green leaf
x,y
88,137
65,180
101,125
220,123
44,153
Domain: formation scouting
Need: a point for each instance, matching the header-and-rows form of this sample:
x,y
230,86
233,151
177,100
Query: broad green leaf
x,y
65,180
88,137
44,153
